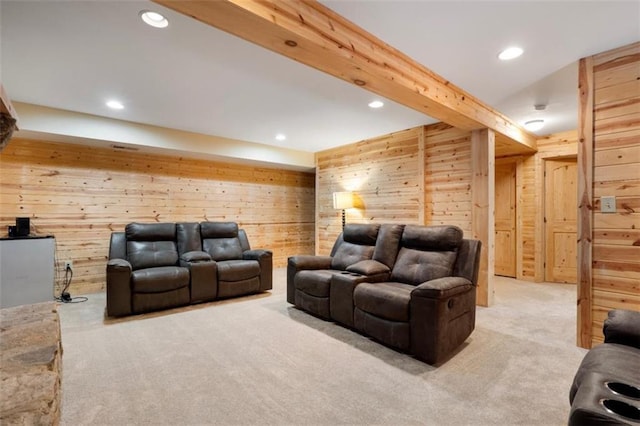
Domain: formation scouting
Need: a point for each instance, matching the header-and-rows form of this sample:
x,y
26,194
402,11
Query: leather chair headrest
x,y
218,229
363,234
442,238
150,231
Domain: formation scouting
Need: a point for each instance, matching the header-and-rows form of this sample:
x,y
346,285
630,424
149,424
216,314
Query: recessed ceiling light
x,y
376,104
281,137
510,53
534,125
115,104
154,19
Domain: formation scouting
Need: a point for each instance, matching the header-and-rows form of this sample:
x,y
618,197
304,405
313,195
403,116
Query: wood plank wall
x,y
447,176
616,172
80,194
385,174
417,176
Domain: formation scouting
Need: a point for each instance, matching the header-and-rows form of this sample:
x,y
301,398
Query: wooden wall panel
x,y
385,174
448,177
614,273
80,194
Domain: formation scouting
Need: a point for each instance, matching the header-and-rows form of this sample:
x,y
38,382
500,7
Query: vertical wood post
x,y
585,201
422,205
482,210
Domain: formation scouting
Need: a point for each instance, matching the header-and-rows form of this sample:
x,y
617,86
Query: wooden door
x,y
505,220
561,211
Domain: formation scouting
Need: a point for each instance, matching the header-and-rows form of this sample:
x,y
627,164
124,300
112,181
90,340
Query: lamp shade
x,y
342,200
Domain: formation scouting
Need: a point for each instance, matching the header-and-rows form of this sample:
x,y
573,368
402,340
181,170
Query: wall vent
x,y
124,147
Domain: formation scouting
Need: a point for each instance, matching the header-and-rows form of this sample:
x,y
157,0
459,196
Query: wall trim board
x,y
585,197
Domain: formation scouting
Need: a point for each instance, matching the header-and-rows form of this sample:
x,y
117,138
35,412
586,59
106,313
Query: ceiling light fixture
x,y
510,53
376,104
154,19
115,104
281,137
534,125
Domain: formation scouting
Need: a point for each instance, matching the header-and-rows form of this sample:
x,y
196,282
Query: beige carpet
x,y
257,360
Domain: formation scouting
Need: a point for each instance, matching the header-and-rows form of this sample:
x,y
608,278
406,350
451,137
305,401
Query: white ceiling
x,y
75,55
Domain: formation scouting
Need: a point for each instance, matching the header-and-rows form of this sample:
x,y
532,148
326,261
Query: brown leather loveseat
x,y
156,266
415,293
606,387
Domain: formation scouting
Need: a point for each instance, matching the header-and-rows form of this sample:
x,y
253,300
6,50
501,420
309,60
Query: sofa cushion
x,y
389,300
150,254
315,282
388,244
417,266
426,253
348,254
188,237
223,248
356,243
161,279
238,270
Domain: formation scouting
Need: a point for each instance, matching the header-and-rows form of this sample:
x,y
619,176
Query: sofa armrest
x,y
443,314
622,327
194,256
256,254
265,259
441,288
369,267
118,287
306,262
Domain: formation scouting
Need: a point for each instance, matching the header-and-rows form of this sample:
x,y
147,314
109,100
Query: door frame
x,y
518,160
541,226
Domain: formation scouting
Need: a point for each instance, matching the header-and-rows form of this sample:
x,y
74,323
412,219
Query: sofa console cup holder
x,y
622,409
624,389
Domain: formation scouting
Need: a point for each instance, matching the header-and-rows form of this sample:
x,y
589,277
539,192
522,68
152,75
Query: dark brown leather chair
x,y
427,306
143,272
239,269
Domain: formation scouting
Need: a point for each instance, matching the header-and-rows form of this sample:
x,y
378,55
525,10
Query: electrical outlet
x,y
608,204
68,264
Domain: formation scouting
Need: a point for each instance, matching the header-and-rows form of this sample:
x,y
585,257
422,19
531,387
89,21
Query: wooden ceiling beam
x,y
313,34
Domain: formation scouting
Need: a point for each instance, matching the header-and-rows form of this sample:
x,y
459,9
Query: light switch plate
x,y
608,204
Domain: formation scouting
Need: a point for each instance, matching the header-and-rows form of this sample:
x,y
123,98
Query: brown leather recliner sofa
x,y
156,266
413,289
606,386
